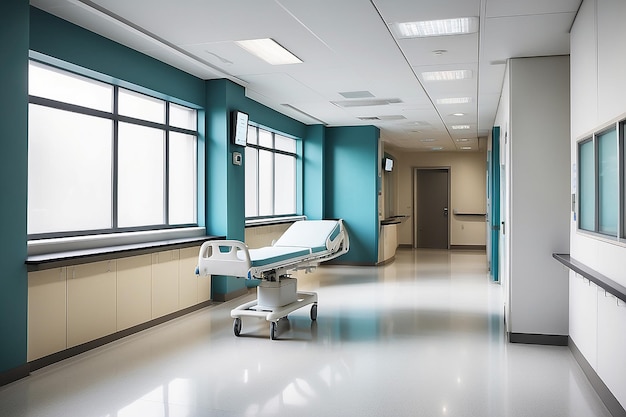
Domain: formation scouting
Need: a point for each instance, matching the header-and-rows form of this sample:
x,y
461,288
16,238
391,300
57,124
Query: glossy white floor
x,y
422,336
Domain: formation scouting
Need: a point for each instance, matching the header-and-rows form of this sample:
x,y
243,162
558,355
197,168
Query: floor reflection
x,y
422,336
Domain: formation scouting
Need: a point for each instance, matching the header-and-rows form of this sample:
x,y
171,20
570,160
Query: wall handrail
x,y
592,275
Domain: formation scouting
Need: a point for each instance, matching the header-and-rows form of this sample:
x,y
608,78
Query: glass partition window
x,y
587,209
271,174
96,167
608,183
601,183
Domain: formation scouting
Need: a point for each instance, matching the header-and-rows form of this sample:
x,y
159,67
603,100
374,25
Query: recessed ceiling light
x,y
463,140
444,27
447,75
460,127
458,114
466,148
454,100
427,140
437,148
270,51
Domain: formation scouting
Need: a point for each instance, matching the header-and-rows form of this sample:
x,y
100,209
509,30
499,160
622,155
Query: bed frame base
x,y
273,314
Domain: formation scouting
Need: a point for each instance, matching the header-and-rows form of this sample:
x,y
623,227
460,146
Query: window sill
x,y
273,220
55,253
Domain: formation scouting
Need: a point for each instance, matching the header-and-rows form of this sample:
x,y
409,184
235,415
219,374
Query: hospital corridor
x,y
421,336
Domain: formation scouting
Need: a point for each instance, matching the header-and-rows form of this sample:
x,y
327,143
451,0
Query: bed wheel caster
x,y
314,312
272,330
237,326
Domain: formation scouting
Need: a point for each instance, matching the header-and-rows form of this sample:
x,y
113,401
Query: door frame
x,y
415,171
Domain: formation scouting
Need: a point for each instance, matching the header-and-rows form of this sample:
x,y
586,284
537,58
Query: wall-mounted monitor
x,y
388,164
240,127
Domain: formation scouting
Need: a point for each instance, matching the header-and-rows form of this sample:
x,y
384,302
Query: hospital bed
x,y
303,246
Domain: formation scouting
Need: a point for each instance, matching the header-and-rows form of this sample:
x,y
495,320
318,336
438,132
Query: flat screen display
x,y
240,128
388,164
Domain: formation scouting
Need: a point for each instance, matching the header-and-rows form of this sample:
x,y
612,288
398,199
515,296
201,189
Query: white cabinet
x,y
165,283
134,291
583,310
612,344
91,309
47,304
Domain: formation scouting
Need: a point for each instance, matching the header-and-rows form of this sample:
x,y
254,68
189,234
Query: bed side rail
x,y
221,257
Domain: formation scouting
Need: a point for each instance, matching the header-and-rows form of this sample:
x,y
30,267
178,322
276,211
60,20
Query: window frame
x,y
116,118
619,127
258,219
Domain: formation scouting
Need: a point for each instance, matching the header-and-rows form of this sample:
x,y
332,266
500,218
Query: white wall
x,y
535,115
598,87
598,97
467,193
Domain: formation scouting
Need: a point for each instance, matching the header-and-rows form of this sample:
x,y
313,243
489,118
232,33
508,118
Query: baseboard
x,y
77,350
538,339
605,394
14,374
468,247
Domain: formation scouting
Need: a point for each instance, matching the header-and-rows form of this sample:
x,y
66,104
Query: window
x,y
600,182
103,159
271,166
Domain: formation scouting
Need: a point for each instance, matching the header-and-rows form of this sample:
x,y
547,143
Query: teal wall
x,y
314,172
57,38
352,162
14,19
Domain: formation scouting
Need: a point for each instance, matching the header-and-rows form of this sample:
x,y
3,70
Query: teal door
x,y
494,204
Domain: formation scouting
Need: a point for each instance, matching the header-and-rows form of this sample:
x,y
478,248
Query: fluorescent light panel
x,y
460,127
447,75
454,100
270,51
444,27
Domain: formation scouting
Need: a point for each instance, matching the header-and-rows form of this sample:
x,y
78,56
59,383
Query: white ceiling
x,y
346,46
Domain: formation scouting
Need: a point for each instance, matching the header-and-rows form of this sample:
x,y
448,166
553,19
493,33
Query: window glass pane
x,y
266,183
265,139
140,176
252,135
182,179
285,144
608,191
48,82
587,192
251,167
183,117
285,185
140,106
69,171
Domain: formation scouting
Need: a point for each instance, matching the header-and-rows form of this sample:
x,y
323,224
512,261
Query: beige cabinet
x,y
134,291
91,306
188,280
47,305
165,282
77,304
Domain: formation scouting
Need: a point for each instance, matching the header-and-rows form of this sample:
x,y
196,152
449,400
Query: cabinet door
x,y
47,305
188,288
164,283
91,305
612,344
134,294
